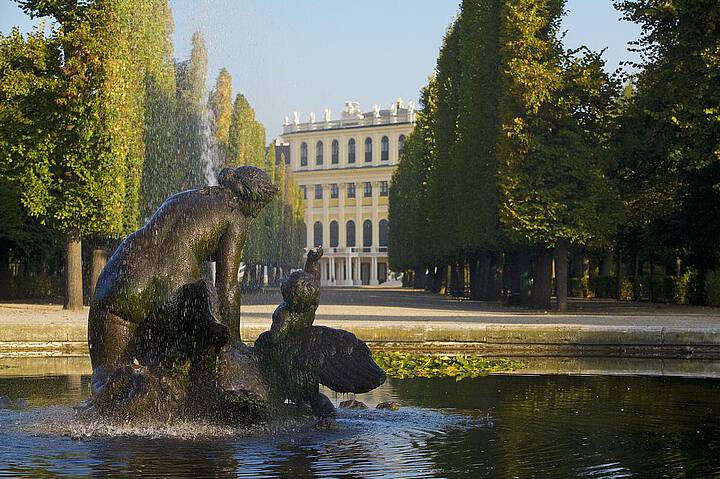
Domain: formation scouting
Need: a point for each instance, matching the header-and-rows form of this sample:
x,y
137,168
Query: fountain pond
x,y
493,426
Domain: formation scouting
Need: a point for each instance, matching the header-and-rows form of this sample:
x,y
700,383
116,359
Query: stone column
x,y
325,229
373,271
356,271
342,152
358,231
377,150
358,215
309,198
326,215
342,232
375,216
333,274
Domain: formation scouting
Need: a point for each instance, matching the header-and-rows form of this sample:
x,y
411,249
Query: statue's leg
x,y
198,302
109,338
185,326
322,407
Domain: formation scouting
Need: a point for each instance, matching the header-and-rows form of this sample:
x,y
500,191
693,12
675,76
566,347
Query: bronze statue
x,y
165,341
297,357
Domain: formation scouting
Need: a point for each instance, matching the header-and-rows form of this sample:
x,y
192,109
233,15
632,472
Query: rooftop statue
x,y
166,342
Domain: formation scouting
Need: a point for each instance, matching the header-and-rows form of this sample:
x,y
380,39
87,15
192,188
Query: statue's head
x,y
315,254
252,187
301,292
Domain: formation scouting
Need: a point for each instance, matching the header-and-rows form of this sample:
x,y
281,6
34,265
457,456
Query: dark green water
x,y
497,426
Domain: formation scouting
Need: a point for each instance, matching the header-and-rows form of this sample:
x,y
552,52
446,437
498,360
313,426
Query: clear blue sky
x,y
308,55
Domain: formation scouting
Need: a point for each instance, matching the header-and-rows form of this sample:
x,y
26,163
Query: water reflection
x,y
498,426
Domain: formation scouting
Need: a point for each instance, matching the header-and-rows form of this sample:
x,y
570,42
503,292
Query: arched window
x,y
401,145
384,232
334,234
384,149
335,152
367,233
303,154
319,153
351,150
368,149
350,233
318,234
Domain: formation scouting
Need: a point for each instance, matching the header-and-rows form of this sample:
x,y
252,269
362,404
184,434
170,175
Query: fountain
x,y
165,341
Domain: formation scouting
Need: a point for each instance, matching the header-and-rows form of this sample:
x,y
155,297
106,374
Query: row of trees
x,y
99,124
526,150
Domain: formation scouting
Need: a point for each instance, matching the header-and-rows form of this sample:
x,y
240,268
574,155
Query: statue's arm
x,y
279,327
229,255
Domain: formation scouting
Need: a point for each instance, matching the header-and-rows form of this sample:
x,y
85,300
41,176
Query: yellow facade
x,y
378,138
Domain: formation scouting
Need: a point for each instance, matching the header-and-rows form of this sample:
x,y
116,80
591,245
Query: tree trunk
x,y
453,289
461,272
441,279
561,275
618,274
431,280
542,280
4,272
651,288
420,278
485,276
99,259
494,286
606,264
636,277
73,271
475,292
678,266
510,275
524,266
585,280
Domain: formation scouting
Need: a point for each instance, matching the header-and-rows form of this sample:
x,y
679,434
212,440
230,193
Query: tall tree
x,y
478,128
163,173
83,187
29,88
552,175
677,101
221,106
409,193
246,144
190,113
443,189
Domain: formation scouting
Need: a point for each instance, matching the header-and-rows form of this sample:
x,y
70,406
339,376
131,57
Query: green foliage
x,y
98,58
409,192
671,179
478,126
191,79
246,143
681,287
443,187
511,151
553,173
406,365
603,286
221,106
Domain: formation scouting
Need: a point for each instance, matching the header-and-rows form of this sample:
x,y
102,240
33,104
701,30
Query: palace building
x,y
344,169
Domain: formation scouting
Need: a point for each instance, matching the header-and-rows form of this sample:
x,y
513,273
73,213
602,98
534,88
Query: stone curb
x,y
69,339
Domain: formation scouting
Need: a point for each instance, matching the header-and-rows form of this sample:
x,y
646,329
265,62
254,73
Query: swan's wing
x,y
337,358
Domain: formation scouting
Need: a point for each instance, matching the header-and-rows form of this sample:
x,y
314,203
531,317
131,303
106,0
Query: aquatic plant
x,y
401,365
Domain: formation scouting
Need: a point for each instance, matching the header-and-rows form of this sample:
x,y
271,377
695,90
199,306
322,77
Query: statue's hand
x,y
315,254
